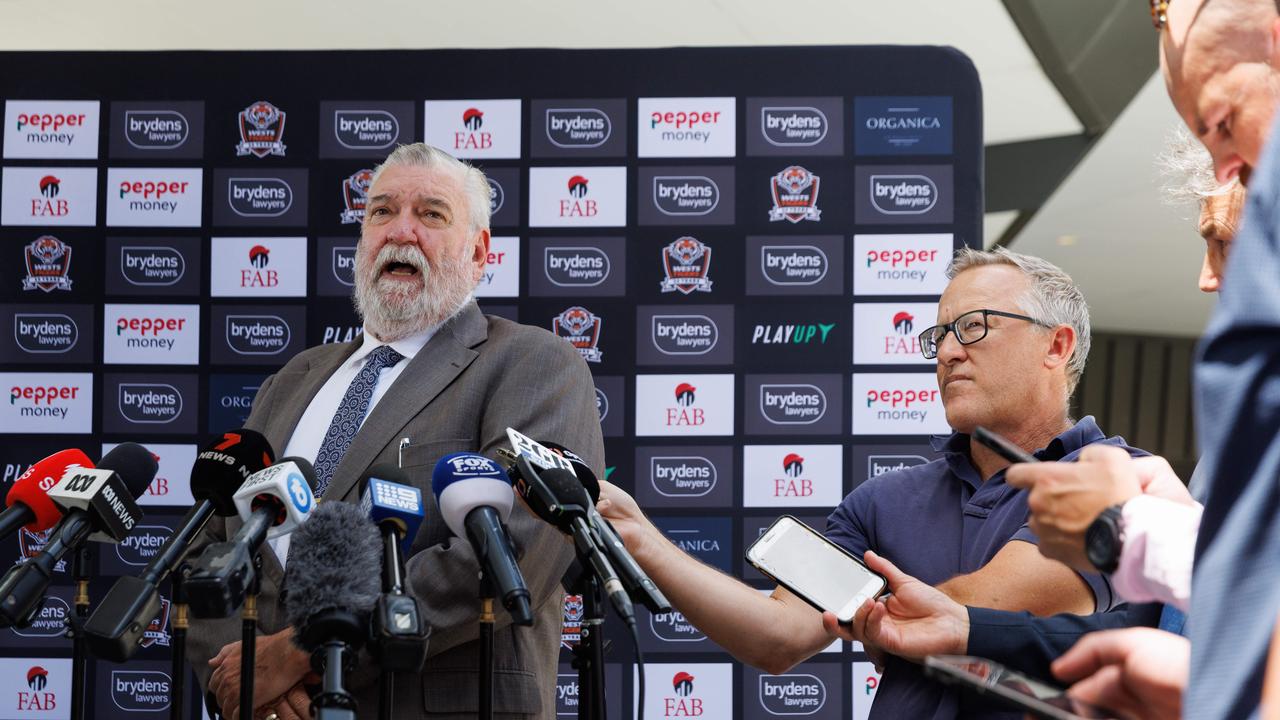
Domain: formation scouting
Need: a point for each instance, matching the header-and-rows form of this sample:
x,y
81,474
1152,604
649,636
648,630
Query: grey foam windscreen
x,y
335,562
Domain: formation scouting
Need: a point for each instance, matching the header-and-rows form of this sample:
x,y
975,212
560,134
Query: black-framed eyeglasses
x,y
969,328
1159,13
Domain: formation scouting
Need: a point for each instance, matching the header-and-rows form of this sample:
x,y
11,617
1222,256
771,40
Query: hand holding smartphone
x,y
987,677
817,570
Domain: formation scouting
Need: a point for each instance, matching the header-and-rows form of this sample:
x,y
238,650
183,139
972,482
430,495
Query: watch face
x,y
1102,541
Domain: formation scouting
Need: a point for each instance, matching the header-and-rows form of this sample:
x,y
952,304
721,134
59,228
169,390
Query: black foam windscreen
x,y
580,467
135,465
567,488
224,464
335,563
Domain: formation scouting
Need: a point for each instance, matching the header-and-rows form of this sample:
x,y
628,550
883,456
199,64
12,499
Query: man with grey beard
x,y
430,376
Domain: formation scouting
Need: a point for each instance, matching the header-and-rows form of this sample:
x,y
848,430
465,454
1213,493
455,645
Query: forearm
x,y
1019,578
770,632
1159,546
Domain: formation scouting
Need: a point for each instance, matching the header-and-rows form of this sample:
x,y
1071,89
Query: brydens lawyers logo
x,y
355,195
365,129
151,266
140,690
686,262
792,404
45,332
257,334
261,130
794,694
793,126
903,194
793,264
682,476
673,626
48,262
344,265
581,329
602,404
795,195
154,403
575,266
50,621
684,334
142,546
156,129
497,196
259,197
578,127
684,195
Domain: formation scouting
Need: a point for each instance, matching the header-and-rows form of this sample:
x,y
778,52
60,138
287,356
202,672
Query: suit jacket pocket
x,y
458,691
428,452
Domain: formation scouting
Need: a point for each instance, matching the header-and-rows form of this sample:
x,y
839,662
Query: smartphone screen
x,y
813,567
989,677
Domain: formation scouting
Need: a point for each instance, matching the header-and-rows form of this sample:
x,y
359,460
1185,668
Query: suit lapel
x,y
442,359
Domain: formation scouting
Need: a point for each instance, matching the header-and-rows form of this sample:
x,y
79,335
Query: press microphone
x,y
332,584
633,577
395,507
116,626
28,502
567,511
272,502
475,499
98,504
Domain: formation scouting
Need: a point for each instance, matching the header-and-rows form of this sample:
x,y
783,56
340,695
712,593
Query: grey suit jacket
x,y
475,377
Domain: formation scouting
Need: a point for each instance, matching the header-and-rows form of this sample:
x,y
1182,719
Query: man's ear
x,y
1062,343
480,253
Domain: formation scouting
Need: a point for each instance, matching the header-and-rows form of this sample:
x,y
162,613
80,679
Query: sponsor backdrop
x,y
741,243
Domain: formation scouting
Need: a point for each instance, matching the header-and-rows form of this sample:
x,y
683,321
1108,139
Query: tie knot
x,y
384,356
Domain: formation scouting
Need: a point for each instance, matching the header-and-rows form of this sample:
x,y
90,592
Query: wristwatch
x,y
1104,539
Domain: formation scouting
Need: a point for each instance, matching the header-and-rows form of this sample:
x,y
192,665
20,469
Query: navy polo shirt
x,y
939,520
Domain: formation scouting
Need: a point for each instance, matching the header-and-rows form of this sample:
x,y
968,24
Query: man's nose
x,y
1208,278
401,229
950,350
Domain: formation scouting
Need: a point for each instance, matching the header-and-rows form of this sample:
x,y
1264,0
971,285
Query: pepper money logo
x,y
48,261
355,196
261,130
686,262
897,404
581,328
60,129
795,195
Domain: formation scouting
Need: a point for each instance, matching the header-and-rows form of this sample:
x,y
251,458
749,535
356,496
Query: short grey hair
x,y
474,184
1053,298
1186,168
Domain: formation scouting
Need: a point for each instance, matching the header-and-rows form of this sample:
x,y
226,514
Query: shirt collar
x,y
406,346
955,447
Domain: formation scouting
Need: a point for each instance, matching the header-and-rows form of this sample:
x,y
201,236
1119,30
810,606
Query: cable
x,y
635,642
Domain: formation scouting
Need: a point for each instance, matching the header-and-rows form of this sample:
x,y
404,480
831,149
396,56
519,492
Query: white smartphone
x,y
820,572
987,677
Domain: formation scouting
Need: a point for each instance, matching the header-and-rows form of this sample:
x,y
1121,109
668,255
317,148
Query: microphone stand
x,y
178,662
588,654
486,646
79,658
248,637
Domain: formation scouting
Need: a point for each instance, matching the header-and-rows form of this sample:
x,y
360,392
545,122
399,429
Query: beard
x,y
393,309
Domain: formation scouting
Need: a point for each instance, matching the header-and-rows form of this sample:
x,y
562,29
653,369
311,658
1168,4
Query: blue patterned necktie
x,y
346,422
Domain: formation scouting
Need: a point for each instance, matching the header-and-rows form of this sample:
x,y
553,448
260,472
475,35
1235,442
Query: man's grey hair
x,y
1187,170
474,184
1053,298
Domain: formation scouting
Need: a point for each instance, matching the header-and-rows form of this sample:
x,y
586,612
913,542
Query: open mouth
x,y
400,269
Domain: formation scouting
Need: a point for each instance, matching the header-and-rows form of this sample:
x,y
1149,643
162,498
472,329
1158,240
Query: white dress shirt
x,y
1159,545
314,423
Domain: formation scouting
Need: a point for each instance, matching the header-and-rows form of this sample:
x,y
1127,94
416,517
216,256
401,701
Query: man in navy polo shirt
x,y
1011,343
